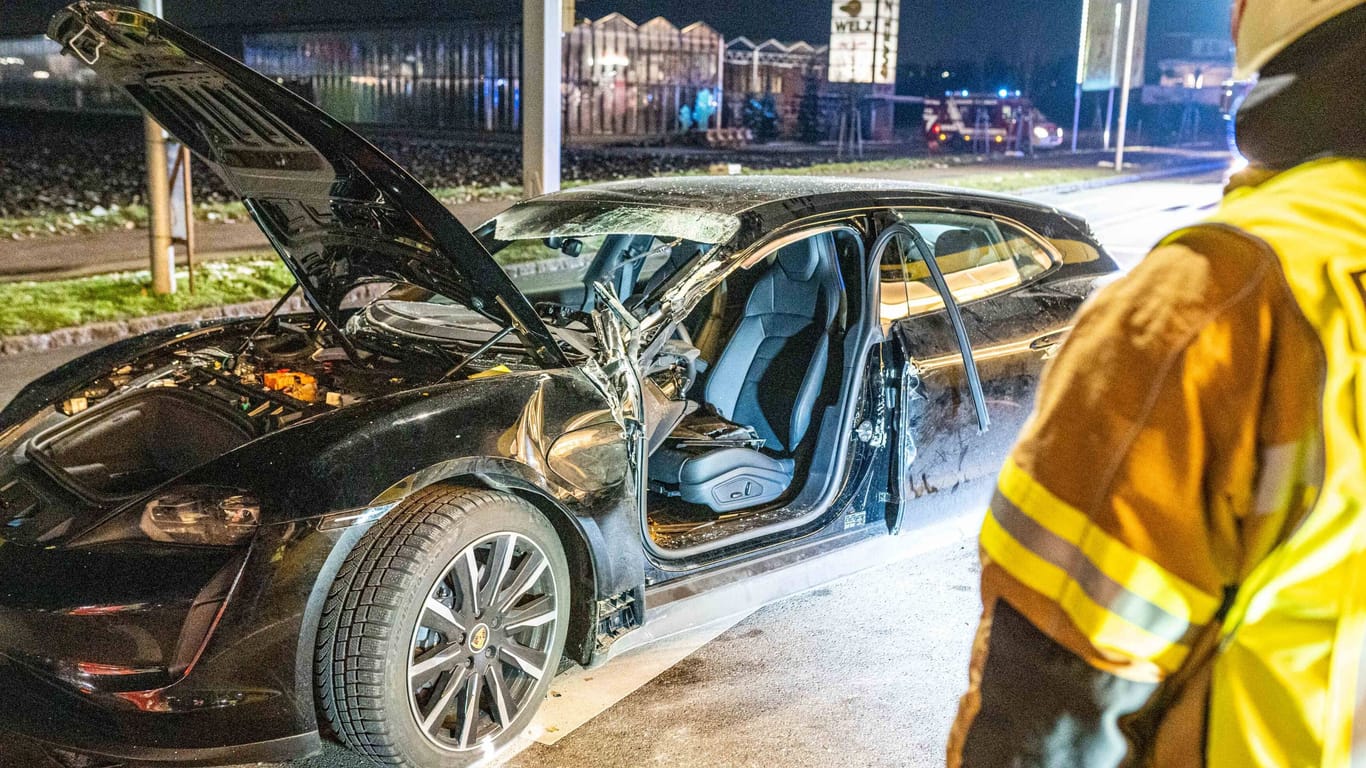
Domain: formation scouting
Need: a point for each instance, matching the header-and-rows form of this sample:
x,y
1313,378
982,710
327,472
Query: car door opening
x,y
739,416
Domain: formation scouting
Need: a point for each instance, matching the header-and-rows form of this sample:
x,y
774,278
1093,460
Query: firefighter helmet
x,y
1264,28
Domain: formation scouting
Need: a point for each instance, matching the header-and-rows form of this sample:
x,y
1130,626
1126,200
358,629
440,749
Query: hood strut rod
x,y
471,357
246,344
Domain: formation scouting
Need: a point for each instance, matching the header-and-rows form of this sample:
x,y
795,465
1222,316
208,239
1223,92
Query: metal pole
x,y
1114,65
1083,53
1076,118
1109,117
161,250
541,136
1127,84
188,192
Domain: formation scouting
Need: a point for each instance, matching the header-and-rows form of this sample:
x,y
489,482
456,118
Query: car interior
x,y
743,401
741,389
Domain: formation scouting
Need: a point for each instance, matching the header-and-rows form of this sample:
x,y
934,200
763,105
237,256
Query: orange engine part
x,y
299,386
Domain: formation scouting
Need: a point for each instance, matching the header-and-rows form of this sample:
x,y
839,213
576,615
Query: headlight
x,y
202,514
1040,132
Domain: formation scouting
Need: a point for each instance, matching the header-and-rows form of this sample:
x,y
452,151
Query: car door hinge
x,y
874,435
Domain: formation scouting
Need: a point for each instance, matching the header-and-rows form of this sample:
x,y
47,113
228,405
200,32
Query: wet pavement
x,y
862,672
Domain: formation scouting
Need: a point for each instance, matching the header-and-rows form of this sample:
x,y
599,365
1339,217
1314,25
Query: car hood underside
x,y
338,210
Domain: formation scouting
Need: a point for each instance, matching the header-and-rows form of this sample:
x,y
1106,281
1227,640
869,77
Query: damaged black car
x,y
394,516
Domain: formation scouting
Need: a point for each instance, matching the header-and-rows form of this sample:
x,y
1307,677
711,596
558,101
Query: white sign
x,y
1104,38
863,41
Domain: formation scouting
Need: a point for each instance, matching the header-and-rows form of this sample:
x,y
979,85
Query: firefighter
x,y
1174,562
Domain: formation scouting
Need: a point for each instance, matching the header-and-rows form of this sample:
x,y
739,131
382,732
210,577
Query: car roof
x,y
737,194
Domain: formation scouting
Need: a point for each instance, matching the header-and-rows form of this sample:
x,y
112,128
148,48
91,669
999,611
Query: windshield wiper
x,y
476,354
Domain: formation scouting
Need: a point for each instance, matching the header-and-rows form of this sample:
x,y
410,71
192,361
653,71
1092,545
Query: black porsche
x,y
396,515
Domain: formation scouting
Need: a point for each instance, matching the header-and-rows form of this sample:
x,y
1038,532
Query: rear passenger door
x,y
993,269
937,399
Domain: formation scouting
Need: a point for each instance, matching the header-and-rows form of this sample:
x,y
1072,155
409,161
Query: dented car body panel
x,y
126,633
237,623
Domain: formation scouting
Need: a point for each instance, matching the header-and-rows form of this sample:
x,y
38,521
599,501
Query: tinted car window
x,y
895,282
979,257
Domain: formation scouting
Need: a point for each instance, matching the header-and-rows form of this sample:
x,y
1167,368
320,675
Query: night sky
x,y
931,30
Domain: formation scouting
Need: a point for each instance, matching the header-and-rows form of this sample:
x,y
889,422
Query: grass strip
x,y
1017,180
42,306
39,307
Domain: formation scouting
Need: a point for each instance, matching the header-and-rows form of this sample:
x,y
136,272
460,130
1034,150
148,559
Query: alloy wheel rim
x,y
481,643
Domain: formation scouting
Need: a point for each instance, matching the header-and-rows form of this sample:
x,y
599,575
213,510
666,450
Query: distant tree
x,y
761,117
809,124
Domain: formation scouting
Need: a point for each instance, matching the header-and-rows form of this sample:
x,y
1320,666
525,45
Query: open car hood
x,y
338,210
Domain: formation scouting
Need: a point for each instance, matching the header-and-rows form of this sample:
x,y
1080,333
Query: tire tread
x,y
364,600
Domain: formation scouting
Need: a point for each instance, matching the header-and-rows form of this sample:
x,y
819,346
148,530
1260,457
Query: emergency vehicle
x,y
1006,121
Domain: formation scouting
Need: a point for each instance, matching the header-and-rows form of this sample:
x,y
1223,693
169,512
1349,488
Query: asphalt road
x,y
864,671
1129,219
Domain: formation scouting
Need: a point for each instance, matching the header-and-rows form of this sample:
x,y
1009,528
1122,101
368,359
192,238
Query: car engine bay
x,y
166,412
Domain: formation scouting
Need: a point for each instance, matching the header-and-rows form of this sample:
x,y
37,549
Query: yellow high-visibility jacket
x,y
1174,563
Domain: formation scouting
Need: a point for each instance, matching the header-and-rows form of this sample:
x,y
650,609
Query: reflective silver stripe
x,y
1103,590
1282,470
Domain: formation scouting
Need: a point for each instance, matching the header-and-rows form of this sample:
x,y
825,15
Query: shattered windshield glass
x,y
555,252
587,218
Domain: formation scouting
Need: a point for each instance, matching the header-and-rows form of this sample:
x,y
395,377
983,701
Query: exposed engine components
x,y
74,405
300,386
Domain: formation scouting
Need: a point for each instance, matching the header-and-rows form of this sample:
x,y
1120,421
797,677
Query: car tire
x,y
422,660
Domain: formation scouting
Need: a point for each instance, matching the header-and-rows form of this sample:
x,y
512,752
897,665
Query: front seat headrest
x,y
799,260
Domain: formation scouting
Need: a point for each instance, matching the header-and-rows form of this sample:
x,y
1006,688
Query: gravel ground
x,y
59,162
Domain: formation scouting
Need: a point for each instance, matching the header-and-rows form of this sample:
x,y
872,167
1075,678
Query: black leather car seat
x,y
766,382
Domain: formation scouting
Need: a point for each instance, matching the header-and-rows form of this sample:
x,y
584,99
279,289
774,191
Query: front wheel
x,y
444,628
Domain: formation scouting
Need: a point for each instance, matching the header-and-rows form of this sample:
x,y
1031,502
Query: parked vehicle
x,y
988,123
396,521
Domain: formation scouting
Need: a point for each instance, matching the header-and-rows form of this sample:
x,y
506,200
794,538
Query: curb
x,y
120,329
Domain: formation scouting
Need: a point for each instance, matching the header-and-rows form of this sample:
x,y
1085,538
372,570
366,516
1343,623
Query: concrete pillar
x,y
541,108
162,251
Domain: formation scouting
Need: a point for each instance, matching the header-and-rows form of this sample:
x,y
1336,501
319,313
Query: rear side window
x,y
979,256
